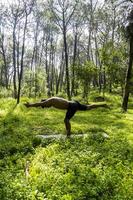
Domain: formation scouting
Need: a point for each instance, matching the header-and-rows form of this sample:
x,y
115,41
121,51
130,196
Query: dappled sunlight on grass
x,y
7,106
41,120
98,166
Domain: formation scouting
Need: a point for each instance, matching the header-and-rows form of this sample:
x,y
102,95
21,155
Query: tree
x,y
5,66
112,60
63,12
4,49
128,81
86,74
16,14
27,10
56,36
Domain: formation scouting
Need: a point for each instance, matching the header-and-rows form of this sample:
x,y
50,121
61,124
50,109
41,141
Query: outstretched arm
x,y
93,106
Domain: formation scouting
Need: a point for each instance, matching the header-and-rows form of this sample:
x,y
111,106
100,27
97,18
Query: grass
x,y
86,168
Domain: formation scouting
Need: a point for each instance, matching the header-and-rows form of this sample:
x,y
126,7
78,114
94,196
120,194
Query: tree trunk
x,y
35,60
89,46
18,46
100,79
46,65
66,59
42,49
110,86
22,62
5,65
98,64
128,78
73,66
104,81
59,82
14,61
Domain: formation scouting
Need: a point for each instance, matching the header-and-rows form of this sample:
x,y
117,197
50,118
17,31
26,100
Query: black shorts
x,y
73,108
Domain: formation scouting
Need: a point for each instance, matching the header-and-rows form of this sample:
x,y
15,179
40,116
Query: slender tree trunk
x,y
114,23
89,47
66,62
66,59
46,65
14,61
52,69
5,65
58,78
91,20
110,86
104,81
22,61
42,48
61,75
100,79
98,64
1,75
35,84
36,59
73,65
17,48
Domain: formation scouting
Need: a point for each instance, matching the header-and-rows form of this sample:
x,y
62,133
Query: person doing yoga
x,y
71,106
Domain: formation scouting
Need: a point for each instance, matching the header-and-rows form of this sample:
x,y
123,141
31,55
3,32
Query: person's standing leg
x,y
70,113
68,127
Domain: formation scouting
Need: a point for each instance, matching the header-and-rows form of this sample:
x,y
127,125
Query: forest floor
x,y
80,168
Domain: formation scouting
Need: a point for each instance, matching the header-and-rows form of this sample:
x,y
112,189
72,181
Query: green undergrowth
x,y
93,167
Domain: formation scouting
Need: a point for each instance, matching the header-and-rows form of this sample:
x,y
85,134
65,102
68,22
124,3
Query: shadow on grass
x,y
101,118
